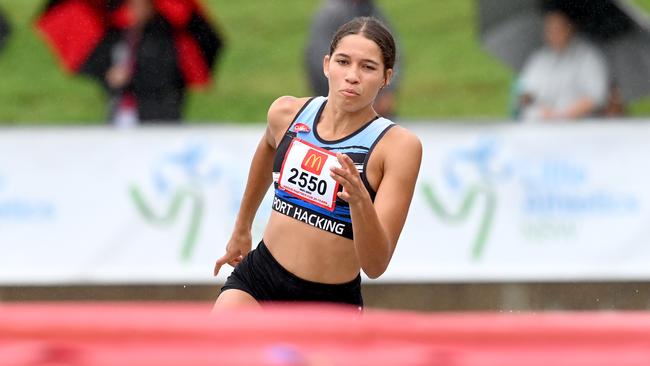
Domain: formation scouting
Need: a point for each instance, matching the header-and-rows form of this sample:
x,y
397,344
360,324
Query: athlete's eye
x,y
342,62
369,67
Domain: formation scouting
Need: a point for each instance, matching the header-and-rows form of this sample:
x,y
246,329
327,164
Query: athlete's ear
x,y
326,66
388,76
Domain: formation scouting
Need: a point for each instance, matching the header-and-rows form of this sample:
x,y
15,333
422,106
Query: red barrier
x,y
102,334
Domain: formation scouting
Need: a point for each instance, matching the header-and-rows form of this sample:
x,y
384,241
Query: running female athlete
x,y
343,176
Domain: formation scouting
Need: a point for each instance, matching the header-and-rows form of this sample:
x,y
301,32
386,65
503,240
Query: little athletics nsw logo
x,y
179,179
480,161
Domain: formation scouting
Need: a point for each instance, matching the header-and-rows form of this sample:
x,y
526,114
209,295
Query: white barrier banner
x,y
132,206
493,203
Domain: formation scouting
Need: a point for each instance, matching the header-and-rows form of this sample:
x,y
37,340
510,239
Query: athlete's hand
x,y
348,176
238,246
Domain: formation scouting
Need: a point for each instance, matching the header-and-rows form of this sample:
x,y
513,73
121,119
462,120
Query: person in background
x,y
565,80
330,16
144,78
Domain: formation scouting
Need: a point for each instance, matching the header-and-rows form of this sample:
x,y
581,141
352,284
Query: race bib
x,y
305,173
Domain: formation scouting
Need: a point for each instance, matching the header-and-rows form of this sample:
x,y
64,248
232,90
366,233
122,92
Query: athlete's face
x,y
356,72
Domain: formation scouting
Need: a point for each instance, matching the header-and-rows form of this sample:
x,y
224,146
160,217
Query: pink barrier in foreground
x,y
101,334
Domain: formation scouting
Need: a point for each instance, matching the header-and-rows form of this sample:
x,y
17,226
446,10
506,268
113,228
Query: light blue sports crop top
x,y
357,145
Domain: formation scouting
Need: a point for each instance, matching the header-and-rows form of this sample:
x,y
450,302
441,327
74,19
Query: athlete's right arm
x,y
259,178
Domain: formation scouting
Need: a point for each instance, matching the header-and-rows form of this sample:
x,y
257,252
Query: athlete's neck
x,y
335,123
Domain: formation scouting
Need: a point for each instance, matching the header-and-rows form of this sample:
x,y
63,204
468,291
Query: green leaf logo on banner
x,y
191,197
469,203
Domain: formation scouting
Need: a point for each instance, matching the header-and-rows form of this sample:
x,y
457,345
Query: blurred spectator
x,y
144,78
330,16
5,30
567,79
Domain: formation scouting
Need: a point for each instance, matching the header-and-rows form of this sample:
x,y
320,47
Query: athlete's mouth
x,y
349,92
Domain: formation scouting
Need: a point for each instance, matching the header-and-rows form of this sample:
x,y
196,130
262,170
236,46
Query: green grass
x,y
446,73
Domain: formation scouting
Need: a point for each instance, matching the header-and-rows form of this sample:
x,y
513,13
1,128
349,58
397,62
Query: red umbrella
x,y
79,32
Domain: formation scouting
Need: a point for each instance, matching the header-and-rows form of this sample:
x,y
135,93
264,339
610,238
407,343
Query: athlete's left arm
x,y
377,226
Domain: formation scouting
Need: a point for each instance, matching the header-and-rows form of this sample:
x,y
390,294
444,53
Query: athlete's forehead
x,y
358,47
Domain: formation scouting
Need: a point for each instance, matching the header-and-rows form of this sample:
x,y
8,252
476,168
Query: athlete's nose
x,y
352,75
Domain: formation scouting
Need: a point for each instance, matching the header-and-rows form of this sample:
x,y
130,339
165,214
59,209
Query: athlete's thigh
x,y
233,298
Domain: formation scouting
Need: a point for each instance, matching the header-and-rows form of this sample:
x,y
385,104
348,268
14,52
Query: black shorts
x,y
261,276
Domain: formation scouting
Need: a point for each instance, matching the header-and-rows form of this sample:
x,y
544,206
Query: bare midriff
x,y
309,252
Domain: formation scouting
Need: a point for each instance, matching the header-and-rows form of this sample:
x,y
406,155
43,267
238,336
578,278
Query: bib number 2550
x,y
306,180
305,173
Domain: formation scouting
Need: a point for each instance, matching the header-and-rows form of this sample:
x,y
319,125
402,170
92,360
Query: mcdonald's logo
x,y
314,161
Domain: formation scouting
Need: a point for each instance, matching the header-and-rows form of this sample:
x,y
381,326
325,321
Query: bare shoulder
x,y
406,142
282,111
398,155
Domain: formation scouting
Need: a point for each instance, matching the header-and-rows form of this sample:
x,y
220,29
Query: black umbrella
x,y
511,30
602,20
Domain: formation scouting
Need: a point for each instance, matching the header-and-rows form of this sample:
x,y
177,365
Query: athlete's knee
x,y
233,298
